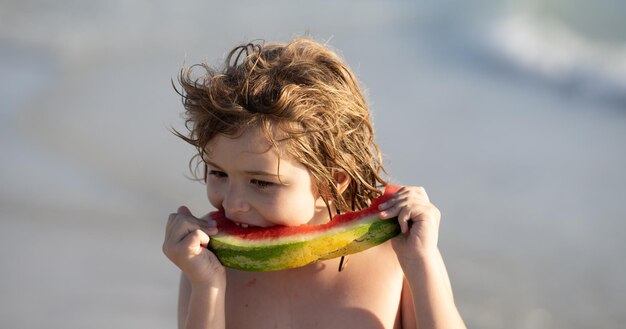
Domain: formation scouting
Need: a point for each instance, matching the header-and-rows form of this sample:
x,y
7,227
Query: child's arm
x,y
200,306
203,281
430,294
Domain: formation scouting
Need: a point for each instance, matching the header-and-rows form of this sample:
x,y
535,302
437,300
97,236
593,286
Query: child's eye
x,y
261,183
217,173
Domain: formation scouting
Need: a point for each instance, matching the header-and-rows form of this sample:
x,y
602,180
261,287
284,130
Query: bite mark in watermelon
x,y
262,249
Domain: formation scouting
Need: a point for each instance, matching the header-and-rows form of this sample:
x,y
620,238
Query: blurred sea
x,y
511,114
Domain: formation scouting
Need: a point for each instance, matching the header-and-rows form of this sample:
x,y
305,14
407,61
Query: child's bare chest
x,y
365,295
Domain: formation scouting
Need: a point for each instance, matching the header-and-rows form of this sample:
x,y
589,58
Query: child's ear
x,y
342,179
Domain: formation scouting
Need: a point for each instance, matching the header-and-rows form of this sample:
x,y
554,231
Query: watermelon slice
x,y
262,249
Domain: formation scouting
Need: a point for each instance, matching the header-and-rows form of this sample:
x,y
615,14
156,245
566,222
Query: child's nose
x,y
234,201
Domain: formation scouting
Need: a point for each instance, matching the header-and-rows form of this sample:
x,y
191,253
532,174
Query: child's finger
x,y
194,240
387,204
422,193
210,230
391,202
181,227
404,226
403,218
388,213
170,222
183,210
204,221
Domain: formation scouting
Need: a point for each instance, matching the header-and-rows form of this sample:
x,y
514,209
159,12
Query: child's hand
x,y
419,222
186,241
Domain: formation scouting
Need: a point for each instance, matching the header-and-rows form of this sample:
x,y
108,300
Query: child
x,y
285,137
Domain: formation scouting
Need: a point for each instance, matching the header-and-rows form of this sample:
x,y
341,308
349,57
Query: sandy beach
x,y
527,169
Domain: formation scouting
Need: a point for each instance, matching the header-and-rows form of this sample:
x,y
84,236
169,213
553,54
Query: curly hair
x,y
301,89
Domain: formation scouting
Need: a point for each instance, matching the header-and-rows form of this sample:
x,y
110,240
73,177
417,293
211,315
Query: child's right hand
x,y
186,241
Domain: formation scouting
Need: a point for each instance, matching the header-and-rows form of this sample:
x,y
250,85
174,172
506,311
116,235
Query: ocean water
x,y
512,115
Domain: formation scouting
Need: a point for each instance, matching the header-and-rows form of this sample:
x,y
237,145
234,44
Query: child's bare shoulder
x,y
366,294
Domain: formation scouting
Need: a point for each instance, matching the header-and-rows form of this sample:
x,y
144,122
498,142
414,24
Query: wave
x,y
575,48
555,53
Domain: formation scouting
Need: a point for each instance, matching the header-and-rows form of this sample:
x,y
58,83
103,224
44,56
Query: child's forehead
x,y
253,140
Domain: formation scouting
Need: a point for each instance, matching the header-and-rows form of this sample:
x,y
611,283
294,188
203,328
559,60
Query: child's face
x,y
243,179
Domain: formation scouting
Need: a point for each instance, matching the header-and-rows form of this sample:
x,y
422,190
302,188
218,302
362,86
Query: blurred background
x,y
512,114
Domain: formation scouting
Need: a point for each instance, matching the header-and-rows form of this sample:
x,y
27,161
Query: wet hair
x,y
302,95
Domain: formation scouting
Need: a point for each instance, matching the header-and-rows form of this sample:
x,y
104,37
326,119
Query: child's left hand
x,y
419,221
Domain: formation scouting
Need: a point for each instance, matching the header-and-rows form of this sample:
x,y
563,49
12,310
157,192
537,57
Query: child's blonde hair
x,y
302,95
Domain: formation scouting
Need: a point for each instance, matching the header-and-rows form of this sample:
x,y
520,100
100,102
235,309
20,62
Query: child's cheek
x,y
214,197
276,212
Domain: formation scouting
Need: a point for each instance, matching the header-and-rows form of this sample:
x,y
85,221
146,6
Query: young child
x,y
285,138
